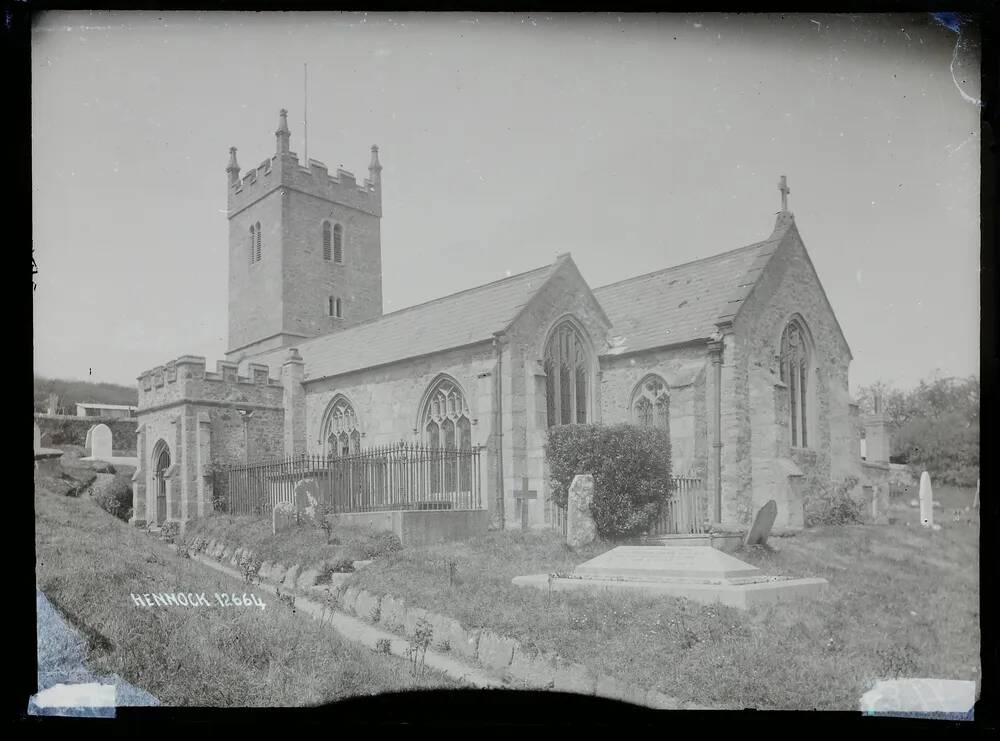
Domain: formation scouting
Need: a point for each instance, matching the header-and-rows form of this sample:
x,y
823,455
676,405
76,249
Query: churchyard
x,y
88,563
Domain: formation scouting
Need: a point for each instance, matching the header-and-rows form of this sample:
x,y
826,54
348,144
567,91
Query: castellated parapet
x,y
284,169
187,380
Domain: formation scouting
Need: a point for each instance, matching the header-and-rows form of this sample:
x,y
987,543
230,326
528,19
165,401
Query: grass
x,y
305,544
902,601
88,564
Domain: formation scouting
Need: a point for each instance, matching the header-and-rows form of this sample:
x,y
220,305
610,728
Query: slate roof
x,y
667,307
462,318
683,303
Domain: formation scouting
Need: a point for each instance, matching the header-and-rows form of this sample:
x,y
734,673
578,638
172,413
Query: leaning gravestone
x,y
307,498
762,525
38,437
580,527
100,442
926,500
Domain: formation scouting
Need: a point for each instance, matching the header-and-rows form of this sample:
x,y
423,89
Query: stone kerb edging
x,y
500,655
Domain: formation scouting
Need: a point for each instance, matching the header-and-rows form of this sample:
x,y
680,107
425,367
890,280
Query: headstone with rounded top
x,y
38,437
762,525
100,442
283,517
307,498
926,500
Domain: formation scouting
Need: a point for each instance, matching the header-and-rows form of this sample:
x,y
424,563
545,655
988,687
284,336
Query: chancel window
x,y
342,436
651,404
794,360
446,427
567,377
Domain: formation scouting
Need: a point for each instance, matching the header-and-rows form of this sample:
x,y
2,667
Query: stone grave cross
x,y
523,496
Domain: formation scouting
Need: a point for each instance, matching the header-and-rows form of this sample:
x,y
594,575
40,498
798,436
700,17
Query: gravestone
x,y
762,525
307,498
100,442
283,517
38,437
580,527
880,504
522,497
926,500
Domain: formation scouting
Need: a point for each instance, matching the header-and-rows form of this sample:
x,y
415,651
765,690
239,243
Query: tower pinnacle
x,y
233,168
282,134
375,168
785,190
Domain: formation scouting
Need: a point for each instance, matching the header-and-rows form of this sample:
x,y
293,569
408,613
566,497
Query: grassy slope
x,y
304,545
902,600
88,563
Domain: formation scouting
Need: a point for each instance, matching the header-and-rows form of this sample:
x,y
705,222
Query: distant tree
x,y
933,427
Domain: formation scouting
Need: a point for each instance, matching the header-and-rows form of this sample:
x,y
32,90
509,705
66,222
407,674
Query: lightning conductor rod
x,y
305,112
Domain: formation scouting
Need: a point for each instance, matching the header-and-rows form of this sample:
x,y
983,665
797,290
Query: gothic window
x,y
253,242
258,242
794,360
446,426
341,435
336,309
338,243
326,240
651,403
567,377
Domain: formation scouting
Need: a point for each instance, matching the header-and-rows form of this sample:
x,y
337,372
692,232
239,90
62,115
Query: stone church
x,y
739,355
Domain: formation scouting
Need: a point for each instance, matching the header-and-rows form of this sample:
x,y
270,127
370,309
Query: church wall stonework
x,y
564,295
763,465
309,279
683,370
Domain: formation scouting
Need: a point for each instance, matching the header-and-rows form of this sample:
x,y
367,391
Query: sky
x,y
634,142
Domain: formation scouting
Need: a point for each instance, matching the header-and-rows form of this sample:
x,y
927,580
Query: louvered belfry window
x,y
567,377
327,254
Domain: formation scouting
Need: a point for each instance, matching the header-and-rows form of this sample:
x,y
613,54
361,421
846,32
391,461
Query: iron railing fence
x,y
391,477
685,511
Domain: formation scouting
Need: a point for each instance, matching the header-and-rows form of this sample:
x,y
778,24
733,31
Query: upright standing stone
x,y
100,442
926,500
762,524
38,437
580,527
880,504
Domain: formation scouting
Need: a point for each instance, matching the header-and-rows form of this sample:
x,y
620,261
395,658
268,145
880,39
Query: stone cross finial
x,y
785,190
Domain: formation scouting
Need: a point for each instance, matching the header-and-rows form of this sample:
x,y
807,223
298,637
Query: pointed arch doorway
x,y
161,462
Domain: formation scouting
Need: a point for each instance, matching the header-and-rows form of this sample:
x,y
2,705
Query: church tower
x,y
305,254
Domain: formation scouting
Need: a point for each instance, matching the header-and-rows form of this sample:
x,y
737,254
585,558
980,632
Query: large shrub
x,y
631,469
116,497
829,503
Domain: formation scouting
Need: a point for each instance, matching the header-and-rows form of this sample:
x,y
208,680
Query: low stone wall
x,y
423,527
63,429
499,654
